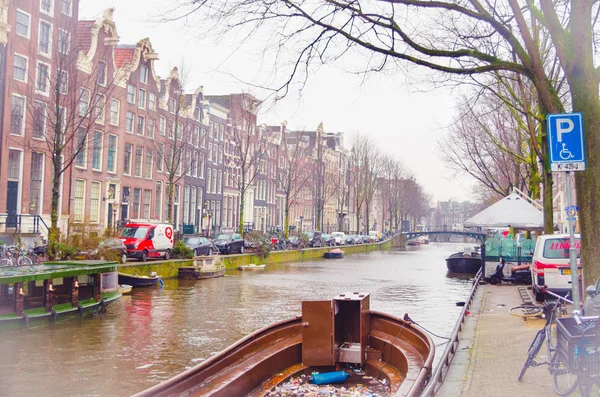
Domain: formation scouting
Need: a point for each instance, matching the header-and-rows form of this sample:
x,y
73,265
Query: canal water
x,y
155,333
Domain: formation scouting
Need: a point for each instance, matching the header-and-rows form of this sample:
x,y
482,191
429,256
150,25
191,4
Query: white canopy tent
x,y
513,210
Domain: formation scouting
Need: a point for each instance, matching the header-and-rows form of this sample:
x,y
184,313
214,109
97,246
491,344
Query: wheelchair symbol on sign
x,y
565,153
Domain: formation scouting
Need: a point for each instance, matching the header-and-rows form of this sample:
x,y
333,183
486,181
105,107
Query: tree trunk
x,y
54,233
287,220
170,203
242,205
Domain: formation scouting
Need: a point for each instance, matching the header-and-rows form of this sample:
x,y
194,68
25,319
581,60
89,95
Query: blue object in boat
x,y
162,283
329,377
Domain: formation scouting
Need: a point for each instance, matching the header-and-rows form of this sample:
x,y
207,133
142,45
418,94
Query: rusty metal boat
x,y
328,336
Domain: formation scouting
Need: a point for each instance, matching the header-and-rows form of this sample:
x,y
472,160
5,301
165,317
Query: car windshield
x,y
191,240
224,237
558,248
134,232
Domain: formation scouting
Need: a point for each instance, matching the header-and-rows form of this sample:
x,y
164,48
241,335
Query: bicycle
x,y
551,309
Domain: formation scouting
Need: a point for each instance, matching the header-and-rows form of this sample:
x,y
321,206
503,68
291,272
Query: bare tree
x,y
294,173
464,38
66,103
389,189
371,169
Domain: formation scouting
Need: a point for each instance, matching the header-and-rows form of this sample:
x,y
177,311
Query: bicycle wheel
x,y
563,381
526,311
534,348
6,262
24,261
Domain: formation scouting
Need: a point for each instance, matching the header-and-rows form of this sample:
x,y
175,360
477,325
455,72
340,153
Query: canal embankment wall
x,y
170,268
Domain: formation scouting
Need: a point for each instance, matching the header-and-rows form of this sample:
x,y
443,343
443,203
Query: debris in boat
x,y
355,386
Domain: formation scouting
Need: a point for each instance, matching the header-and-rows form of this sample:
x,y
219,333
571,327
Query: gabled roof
x,y
84,35
124,55
513,210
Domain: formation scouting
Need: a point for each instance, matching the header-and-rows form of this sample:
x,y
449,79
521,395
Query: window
x,y
111,160
152,101
101,75
160,154
43,77
63,81
193,205
220,182
39,119
35,186
147,201
95,202
98,114
171,128
179,131
201,166
142,98
139,153
45,38
127,159
210,151
20,68
141,120
172,104
135,209
196,136
150,128
22,25
130,94
65,7
193,167
14,164
148,165
97,151
84,101
162,126
211,128
208,180
214,181
158,200
46,6
80,161
64,41
186,204
78,200
129,122
144,74
114,111
176,205
17,115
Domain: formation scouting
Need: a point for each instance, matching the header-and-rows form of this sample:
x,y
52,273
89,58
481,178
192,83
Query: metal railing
x,y
36,224
441,370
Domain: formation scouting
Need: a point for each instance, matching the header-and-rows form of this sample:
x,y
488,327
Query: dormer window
x,y
102,73
144,74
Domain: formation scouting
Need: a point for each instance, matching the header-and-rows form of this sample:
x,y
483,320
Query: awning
x,y
512,210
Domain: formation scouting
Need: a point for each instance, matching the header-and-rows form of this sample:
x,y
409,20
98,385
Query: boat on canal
x,y
40,294
252,266
338,334
136,280
334,254
466,261
203,267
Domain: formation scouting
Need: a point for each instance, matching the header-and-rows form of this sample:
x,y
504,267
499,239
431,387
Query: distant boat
x,y
413,242
203,267
467,261
334,254
125,289
252,266
139,281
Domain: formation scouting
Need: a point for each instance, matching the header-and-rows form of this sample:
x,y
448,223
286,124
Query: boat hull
x,y
255,267
255,364
138,281
195,273
329,255
459,263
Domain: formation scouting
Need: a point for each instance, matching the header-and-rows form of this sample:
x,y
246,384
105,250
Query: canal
x,y
154,333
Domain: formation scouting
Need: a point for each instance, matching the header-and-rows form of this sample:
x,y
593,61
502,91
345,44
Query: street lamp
x,y
114,218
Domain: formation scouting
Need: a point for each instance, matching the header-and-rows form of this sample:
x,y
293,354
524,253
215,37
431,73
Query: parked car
x,y
340,237
315,239
293,242
109,248
227,243
328,240
200,245
350,240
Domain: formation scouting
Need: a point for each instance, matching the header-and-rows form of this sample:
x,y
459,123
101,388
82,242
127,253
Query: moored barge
x,y
342,333
39,294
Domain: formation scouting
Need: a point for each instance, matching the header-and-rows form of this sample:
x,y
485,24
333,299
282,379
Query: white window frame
x,y
142,79
100,152
113,100
83,151
23,119
37,73
75,214
140,104
133,122
162,126
130,159
64,86
116,156
50,12
137,125
28,25
68,42
69,11
26,67
102,66
39,50
153,102
87,104
97,203
43,121
99,118
134,91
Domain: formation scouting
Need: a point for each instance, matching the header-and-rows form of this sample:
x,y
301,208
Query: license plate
x,y
568,271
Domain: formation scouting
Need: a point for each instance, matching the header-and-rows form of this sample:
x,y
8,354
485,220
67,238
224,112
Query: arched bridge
x,y
478,236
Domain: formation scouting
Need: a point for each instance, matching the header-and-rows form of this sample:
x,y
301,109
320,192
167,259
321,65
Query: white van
x,y
550,264
340,237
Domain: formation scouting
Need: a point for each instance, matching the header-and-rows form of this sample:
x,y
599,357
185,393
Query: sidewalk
x,y
493,349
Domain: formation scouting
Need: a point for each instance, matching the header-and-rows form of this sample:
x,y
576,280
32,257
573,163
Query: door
x,y
317,333
11,204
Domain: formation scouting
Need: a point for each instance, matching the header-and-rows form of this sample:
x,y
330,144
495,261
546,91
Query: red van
x,y
148,240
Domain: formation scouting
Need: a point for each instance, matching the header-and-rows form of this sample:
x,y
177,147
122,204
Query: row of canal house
x,y
125,134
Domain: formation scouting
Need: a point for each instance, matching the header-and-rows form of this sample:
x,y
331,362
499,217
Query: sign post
x,y
567,153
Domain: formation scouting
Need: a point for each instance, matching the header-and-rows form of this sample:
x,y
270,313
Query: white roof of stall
x,y
512,210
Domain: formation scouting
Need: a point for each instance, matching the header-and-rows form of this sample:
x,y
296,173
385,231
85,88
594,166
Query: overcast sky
x,y
401,117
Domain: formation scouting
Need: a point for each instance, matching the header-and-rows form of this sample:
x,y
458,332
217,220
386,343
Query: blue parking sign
x,y
565,141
